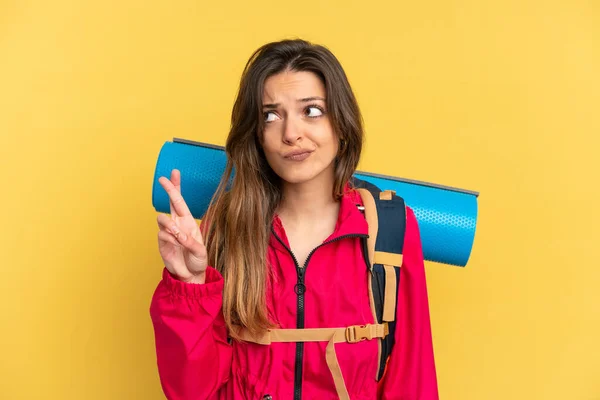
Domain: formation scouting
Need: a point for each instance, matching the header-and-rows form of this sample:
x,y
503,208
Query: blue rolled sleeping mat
x,y
447,216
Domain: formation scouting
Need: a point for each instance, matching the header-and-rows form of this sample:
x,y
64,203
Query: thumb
x,y
182,238
192,245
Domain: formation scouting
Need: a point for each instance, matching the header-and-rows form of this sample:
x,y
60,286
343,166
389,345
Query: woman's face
x,y
298,139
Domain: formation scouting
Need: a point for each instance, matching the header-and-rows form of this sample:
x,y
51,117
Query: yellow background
x,y
500,97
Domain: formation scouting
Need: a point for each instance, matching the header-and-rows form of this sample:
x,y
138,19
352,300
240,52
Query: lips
x,y
298,155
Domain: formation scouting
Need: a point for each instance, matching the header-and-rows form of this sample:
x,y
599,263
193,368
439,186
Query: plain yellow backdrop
x,y
501,97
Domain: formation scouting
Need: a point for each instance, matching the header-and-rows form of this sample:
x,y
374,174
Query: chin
x,y
302,175
296,175
296,179
303,172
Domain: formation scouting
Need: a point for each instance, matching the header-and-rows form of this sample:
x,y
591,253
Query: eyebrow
x,y
304,100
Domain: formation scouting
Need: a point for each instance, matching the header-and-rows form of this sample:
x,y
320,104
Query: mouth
x,y
298,155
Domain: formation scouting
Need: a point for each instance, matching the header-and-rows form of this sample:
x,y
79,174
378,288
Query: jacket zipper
x,y
300,289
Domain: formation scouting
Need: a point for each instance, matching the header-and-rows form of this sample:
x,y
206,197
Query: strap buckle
x,y
358,333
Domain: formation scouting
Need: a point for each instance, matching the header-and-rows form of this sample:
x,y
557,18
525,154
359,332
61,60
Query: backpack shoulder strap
x,y
385,213
372,221
386,251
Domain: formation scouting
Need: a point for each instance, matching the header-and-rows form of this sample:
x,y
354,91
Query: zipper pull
x,y
267,397
300,287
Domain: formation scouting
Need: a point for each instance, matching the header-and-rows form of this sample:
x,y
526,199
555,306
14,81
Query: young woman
x,y
279,252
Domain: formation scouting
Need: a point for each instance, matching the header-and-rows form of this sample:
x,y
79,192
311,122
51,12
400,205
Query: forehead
x,y
292,85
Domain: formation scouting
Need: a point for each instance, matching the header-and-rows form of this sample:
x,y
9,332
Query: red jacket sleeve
x,y
193,354
410,373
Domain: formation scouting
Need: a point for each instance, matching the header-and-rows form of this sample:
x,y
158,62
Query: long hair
x,y
238,220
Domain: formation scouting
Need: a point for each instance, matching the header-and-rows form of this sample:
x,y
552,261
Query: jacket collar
x,y
351,220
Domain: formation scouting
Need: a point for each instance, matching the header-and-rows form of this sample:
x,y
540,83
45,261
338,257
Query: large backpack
x,y
386,215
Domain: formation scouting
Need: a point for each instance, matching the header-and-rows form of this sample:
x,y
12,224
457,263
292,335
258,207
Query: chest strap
x,y
351,334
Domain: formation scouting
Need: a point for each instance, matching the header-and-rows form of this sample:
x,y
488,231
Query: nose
x,y
292,131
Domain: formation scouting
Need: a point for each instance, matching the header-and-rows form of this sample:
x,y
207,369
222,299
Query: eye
x,y
314,111
270,116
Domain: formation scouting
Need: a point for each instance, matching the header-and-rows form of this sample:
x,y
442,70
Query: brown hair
x,y
242,209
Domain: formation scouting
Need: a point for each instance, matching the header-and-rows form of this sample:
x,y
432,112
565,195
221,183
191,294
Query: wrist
x,y
196,279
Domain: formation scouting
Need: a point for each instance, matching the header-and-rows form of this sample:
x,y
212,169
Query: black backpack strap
x,y
384,260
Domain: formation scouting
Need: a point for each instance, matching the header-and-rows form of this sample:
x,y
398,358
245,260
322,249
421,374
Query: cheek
x,y
330,142
268,148
327,136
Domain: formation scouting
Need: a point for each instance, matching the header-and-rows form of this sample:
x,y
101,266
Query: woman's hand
x,y
180,242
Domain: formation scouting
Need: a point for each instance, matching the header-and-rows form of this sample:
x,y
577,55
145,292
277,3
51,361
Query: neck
x,y
308,201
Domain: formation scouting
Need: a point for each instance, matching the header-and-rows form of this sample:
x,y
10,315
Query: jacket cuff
x,y
213,285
